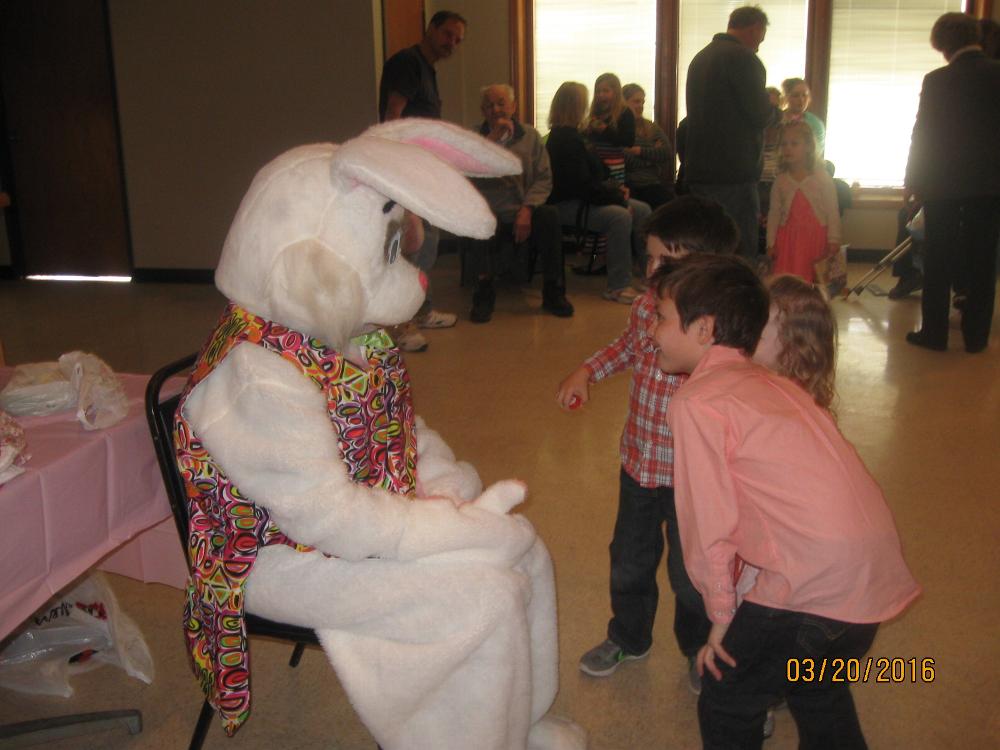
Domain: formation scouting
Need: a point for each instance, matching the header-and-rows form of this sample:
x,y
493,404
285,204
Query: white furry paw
x,y
556,733
501,496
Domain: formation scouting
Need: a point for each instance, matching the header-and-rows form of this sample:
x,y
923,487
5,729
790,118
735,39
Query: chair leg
x,y
297,655
201,728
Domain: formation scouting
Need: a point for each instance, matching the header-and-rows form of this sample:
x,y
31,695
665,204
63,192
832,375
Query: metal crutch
x,y
891,257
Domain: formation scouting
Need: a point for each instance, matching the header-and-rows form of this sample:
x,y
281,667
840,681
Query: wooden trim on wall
x,y
522,58
979,8
402,25
819,33
667,44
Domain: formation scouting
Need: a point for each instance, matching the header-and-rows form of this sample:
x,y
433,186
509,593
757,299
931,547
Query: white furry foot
x,y
556,733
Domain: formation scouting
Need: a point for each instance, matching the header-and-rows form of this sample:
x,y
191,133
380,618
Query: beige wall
x,y
483,58
210,91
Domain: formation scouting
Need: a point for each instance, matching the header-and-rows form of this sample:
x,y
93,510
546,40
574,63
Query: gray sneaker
x,y
694,679
604,659
769,724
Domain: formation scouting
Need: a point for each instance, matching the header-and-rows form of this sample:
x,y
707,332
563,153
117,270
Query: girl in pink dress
x,y
803,221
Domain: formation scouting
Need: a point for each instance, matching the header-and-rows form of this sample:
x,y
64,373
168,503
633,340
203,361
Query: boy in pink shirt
x,y
780,488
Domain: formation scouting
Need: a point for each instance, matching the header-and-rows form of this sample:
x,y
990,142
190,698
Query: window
x,y
880,52
577,40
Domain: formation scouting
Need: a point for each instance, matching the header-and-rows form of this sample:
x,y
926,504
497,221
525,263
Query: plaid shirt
x,y
647,447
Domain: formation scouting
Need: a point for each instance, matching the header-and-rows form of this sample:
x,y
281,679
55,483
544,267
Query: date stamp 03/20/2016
x,y
871,669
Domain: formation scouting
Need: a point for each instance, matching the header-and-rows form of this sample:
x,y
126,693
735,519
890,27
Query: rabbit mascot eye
x,y
316,496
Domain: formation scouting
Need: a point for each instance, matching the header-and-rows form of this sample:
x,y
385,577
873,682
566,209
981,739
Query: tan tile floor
x,y
926,423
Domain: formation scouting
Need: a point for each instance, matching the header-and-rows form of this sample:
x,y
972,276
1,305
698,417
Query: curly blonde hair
x,y
807,333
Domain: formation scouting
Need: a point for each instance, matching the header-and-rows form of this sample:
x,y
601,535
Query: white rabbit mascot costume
x,y
315,496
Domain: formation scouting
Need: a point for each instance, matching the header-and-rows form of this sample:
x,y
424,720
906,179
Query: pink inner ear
x,y
456,157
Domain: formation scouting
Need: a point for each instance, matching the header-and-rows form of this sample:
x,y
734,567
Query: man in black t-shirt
x,y
409,89
409,84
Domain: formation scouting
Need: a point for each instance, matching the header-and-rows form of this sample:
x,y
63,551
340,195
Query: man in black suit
x,y
954,169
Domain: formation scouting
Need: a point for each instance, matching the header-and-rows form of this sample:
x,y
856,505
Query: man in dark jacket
x,y
727,111
954,169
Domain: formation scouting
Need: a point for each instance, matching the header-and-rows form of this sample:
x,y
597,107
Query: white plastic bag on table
x,y
78,380
101,399
74,632
12,447
38,388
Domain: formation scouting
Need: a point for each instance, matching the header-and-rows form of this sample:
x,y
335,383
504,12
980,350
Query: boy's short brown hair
x,y
695,224
724,287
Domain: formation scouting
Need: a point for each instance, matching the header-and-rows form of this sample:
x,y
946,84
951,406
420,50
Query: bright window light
x,y
577,40
71,277
881,53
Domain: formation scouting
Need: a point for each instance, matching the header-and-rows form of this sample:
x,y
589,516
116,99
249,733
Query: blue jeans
x,y
742,202
762,640
425,259
622,226
636,551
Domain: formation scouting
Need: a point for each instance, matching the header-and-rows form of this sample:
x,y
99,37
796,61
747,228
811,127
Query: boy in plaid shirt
x,y
646,493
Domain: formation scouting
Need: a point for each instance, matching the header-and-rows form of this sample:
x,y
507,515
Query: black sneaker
x,y
554,300
906,286
921,339
483,300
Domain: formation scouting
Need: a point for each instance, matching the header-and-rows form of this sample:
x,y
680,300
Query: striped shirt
x,y
647,447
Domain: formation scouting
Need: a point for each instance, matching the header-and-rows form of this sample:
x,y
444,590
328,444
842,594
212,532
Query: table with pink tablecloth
x,y
84,494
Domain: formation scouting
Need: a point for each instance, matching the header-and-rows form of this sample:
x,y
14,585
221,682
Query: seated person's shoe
x,y
554,300
409,339
906,286
436,319
483,301
602,660
919,338
625,295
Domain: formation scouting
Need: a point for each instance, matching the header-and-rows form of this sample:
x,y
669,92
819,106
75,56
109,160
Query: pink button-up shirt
x,y
763,472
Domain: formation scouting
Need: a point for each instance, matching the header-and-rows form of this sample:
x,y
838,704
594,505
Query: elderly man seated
x,y
518,202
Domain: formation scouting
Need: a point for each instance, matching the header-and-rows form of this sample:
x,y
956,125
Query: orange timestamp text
x,y
879,669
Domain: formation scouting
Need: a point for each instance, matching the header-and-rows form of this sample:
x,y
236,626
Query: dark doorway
x,y
66,181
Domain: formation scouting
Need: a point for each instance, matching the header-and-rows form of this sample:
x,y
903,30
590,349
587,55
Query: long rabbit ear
x,y
420,167
465,150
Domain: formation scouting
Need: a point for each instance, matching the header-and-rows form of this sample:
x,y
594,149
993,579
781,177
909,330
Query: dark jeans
x,y
654,195
545,237
960,249
731,711
636,551
742,202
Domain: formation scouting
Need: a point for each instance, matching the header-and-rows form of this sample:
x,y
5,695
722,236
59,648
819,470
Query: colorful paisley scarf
x,y
372,413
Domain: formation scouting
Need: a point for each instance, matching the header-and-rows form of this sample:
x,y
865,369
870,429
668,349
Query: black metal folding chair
x,y
160,414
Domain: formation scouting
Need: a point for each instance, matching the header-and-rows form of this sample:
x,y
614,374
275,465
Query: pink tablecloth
x,y
83,494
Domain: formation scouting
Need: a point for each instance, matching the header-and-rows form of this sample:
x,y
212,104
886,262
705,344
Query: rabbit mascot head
x,y
315,242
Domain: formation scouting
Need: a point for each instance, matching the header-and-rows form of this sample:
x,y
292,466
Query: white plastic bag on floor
x,y
72,633
101,400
